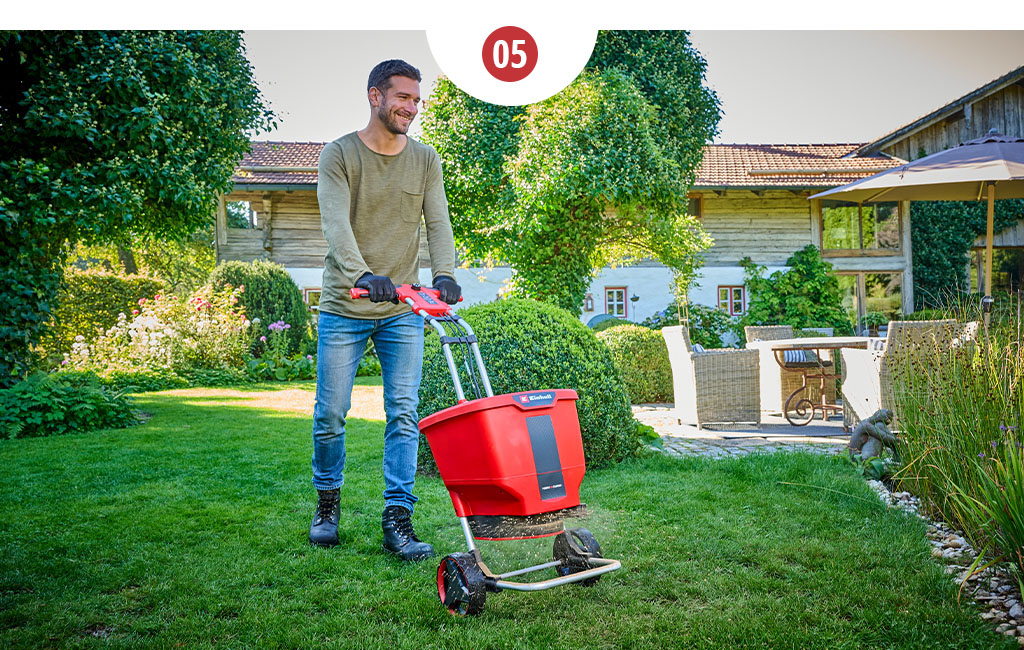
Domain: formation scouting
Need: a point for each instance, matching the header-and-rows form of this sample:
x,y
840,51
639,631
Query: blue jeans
x,y
399,344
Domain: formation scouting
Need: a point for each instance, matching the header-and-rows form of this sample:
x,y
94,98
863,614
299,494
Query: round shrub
x,y
270,295
609,323
89,303
528,345
642,358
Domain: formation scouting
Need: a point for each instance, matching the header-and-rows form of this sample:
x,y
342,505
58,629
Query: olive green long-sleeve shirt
x,y
370,208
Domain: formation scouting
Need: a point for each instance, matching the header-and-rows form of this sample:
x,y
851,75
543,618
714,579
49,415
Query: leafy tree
x,y
806,295
593,176
107,136
182,264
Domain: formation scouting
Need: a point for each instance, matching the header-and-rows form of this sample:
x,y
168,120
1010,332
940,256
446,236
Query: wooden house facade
x,y
751,198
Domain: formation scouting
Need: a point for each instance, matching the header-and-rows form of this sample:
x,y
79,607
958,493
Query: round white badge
x,y
512,63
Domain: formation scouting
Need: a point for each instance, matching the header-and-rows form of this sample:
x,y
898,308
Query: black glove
x,y
381,288
450,292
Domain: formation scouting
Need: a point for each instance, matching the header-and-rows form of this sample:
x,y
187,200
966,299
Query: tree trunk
x,y
127,260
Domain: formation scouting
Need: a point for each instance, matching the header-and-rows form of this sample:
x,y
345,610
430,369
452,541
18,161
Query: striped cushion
x,y
795,356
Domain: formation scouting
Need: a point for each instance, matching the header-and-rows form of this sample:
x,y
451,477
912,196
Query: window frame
x,y
625,306
862,252
731,300
700,205
861,294
305,297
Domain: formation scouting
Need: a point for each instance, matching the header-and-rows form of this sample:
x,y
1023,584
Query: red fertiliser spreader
x,y
512,464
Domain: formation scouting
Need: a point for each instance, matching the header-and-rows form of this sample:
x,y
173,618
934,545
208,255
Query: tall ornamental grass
x,y
960,415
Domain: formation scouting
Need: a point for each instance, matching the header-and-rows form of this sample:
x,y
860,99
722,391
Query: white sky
x,y
775,86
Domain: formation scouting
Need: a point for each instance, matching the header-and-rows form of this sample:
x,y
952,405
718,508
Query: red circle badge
x,y
510,53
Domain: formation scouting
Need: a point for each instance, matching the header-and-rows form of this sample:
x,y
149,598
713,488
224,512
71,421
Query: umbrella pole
x,y
989,235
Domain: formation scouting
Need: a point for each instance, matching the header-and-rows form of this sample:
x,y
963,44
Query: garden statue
x,y
872,436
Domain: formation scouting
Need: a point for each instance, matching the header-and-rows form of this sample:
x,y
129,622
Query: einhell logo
x,y
536,399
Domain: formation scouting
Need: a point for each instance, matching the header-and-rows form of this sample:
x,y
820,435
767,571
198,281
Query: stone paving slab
x,y
774,435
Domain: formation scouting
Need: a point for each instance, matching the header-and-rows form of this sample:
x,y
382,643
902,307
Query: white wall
x,y
651,284
704,290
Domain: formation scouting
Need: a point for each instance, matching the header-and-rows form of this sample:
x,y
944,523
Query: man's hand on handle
x,y
450,291
381,288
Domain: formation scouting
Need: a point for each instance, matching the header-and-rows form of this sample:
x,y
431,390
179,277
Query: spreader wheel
x,y
460,585
572,548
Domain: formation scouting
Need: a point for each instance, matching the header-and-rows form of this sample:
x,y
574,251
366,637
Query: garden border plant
x,y
961,413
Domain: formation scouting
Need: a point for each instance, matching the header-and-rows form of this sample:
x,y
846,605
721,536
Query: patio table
x,y
771,356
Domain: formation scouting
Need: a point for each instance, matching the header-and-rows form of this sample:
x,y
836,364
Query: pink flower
x,y
309,357
156,297
263,339
142,301
135,311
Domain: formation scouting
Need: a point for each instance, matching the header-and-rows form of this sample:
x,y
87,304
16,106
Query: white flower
x,y
256,321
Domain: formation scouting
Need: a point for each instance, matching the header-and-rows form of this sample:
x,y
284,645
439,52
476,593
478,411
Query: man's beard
x,y
390,121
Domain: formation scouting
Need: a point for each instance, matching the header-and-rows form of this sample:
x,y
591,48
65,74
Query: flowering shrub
x,y
276,364
708,325
208,330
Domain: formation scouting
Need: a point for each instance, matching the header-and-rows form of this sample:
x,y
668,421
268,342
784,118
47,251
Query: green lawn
x,y
190,531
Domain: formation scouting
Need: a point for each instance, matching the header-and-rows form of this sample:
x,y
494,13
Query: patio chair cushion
x,y
795,356
697,348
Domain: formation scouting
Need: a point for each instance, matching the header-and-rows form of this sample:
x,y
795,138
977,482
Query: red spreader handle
x,y
426,299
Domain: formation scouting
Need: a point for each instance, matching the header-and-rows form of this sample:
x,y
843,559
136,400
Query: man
x,y
374,185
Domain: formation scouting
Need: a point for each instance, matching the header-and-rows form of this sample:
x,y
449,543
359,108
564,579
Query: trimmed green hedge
x,y
270,295
529,345
90,301
48,405
609,323
642,358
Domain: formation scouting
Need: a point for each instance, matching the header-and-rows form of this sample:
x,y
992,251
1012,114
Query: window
x,y
615,301
732,300
242,216
696,207
312,298
875,226
871,300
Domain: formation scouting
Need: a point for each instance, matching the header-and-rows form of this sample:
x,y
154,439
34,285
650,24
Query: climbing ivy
x,y
942,233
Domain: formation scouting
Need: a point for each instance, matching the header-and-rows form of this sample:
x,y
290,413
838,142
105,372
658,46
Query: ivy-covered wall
x,y
942,233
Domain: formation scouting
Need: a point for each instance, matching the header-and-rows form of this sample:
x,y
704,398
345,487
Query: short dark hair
x,y
380,76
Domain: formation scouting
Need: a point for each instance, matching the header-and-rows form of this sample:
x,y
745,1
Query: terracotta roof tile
x,y
279,154
724,165
750,165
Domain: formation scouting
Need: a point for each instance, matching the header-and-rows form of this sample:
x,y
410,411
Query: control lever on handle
x,y
422,300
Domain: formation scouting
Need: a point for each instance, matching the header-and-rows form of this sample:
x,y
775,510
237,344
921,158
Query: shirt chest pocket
x,y
411,206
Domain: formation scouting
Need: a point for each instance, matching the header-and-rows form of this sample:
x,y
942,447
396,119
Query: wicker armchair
x,y
868,375
713,386
788,379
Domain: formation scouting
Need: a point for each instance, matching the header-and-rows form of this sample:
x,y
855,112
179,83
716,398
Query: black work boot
x,y
324,529
399,537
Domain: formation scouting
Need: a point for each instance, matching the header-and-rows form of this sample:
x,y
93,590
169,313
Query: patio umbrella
x,y
991,167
